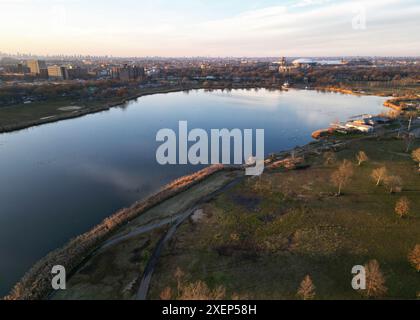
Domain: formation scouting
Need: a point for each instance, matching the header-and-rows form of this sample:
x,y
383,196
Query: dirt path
x,y
139,230
150,268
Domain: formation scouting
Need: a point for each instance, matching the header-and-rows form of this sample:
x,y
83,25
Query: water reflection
x,y
60,179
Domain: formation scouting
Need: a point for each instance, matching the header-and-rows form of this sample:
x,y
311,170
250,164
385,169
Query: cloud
x,y
303,28
325,30
306,3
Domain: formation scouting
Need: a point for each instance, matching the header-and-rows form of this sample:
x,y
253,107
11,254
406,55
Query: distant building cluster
x,y
307,63
57,72
127,73
37,68
40,69
210,72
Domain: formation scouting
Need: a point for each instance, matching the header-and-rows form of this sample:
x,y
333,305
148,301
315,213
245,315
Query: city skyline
x,y
212,29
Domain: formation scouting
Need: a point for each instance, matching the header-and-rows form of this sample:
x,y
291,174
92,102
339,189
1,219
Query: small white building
x,y
302,63
360,127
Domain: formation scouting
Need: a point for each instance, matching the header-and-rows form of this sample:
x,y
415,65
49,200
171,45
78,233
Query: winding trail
x,y
140,230
148,272
150,268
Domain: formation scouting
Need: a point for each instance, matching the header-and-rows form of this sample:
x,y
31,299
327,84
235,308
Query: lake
x,y
60,179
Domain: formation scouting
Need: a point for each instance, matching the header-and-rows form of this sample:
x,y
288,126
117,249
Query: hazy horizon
x,y
37,55
246,28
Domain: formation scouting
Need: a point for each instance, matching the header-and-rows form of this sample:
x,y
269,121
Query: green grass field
x,y
261,238
115,272
23,113
26,115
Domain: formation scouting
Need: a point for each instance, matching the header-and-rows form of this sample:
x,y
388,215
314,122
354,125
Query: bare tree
x,y
193,291
306,290
394,183
402,208
379,174
200,291
410,115
408,140
416,156
239,296
414,257
179,274
330,158
342,175
375,280
392,114
361,157
166,294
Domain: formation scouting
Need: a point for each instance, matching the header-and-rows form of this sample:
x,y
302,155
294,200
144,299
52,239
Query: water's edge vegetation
x,y
36,283
59,116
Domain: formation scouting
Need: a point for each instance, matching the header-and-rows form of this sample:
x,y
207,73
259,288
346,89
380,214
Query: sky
x,y
177,28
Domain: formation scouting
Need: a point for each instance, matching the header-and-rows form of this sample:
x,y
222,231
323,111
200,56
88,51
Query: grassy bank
x,y
23,116
114,271
36,283
377,89
260,239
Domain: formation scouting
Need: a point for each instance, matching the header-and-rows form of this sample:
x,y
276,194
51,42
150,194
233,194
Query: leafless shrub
x,y
342,175
166,294
394,183
195,291
179,274
306,290
237,297
402,207
414,257
416,156
361,158
200,291
375,280
330,158
392,114
379,174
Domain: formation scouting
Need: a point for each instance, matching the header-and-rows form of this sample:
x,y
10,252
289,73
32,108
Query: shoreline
x,y
36,282
165,90
88,110
80,248
107,106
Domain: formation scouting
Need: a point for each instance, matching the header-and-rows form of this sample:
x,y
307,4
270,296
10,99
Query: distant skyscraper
x,y
57,72
37,67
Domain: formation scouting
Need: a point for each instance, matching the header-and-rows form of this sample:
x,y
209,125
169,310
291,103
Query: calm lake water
x,y
60,179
